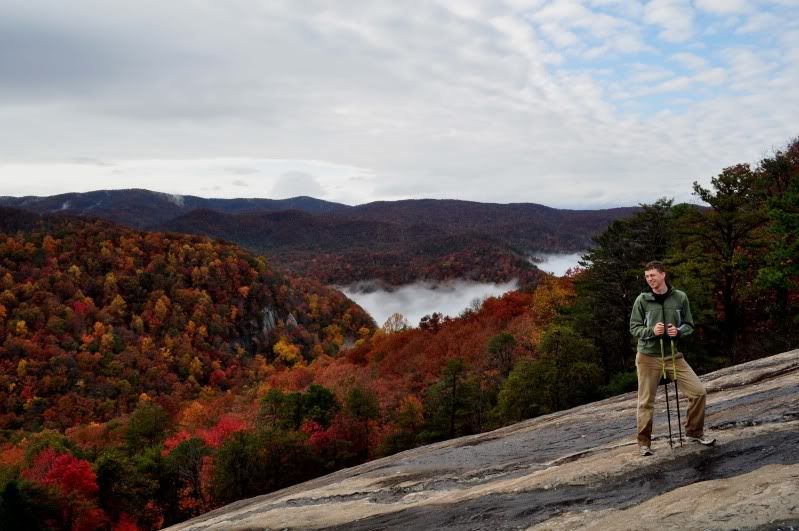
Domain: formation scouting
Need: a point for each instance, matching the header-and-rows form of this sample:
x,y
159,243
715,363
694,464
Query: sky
x,y
568,103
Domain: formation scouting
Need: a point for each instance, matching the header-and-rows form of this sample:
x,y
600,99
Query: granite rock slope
x,y
575,469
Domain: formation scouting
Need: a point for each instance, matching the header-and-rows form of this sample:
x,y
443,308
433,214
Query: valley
x,y
149,377
397,243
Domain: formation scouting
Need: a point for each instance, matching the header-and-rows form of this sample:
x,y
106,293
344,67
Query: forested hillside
x,y
144,382
142,371
394,242
400,242
340,251
94,315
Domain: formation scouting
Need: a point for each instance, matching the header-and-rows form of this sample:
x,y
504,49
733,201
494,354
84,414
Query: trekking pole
x,y
666,390
676,393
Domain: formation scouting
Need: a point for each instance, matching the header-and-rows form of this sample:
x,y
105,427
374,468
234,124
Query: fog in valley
x,y
557,264
414,301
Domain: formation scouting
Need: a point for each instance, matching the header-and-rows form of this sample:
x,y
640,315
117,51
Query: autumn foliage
x,y
146,378
92,316
163,375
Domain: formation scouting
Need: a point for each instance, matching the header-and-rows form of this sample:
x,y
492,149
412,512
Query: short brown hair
x,y
656,264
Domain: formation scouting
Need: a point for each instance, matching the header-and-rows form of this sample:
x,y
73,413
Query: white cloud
x,y
568,23
667,82
759,22
630,9
712,76
563,10
557,264
414,301
673,84
724,6
647,73
541,101
675,17
689,60
296,183
558,35
747,68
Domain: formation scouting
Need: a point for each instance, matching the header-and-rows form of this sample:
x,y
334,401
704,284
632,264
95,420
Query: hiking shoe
x,y
644,450
703,440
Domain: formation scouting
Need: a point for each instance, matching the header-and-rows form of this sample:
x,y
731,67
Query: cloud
x,y
675,17
724,6
570,24
689,60
522,100
641,73
239,182
712,76
631,9
759,22
39,60
91,162
241,170
559,36
747,68
557,264
676,83
414,301
296,183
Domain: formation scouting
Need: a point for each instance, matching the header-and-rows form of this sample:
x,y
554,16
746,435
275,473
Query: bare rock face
x,y
576,469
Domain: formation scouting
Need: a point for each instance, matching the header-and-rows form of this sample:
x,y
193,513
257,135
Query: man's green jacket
x,y
647,312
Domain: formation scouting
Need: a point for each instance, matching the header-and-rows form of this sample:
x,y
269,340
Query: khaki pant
x,y
650,371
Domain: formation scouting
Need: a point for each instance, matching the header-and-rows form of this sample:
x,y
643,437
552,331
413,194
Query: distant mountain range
x,y
144,209
392,241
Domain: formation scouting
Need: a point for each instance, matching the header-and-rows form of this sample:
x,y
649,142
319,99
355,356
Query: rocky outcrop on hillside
x,y
576,469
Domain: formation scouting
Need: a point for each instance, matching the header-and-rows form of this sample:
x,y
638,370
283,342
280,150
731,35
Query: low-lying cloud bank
x,y
414,301
557,264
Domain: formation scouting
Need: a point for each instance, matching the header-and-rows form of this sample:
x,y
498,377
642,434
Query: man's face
x,y
655,278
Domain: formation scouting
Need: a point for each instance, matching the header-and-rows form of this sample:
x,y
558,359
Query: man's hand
x,y
659,328
673,331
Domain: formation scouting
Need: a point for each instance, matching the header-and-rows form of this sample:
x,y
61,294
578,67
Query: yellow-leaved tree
x,y
287,353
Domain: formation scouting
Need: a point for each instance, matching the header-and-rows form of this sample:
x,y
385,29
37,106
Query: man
x,y
660,316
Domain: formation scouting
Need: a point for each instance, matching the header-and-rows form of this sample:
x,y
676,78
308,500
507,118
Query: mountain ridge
x,y
396,242
145,209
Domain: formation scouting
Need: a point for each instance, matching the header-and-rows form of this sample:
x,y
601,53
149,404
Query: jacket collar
x,y
650,295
